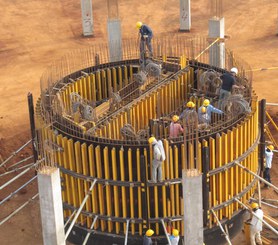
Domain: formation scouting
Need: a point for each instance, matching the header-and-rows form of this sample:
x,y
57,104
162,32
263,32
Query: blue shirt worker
x,y
228,82
190,106
146,38
174,238
209,109
268,163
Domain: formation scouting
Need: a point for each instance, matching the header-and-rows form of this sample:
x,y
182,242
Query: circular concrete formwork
x,y
96,148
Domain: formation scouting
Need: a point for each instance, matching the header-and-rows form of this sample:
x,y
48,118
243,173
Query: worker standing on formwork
x,y
146,34
175,127
256,224
158,158
147,240
208,110
190,106
268,163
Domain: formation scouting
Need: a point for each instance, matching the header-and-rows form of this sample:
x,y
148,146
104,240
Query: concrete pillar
x,y
193,207
185,15
51,206
114,31
87,17
217,51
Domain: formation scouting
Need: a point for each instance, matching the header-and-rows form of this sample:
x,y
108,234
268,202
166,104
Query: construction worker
x,y
175,127
208,110
158,158
145,39
190,106
147,240
204,122
256,224
228,82
268,163
174,238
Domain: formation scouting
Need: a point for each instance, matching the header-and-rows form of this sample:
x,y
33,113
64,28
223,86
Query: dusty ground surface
x,y
34,33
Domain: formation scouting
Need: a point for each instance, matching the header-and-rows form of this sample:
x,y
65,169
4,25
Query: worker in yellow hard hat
x,y
175,127
146,35
256,224
190,106
209,109
147,240
174,238
268,163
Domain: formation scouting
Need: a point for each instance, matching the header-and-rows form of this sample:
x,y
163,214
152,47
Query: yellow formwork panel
x,y
82,87
120,77
92,169
115,188
93,89
219,177
213,180
226,185
85,162
124,201
230,146
125,79
177,192
107,188
114,79
98,86
86,87
131,195
138,168
156,209
80,182
191,156
72,167
104,84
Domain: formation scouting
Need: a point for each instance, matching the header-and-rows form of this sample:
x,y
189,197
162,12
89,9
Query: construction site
x,y
76,164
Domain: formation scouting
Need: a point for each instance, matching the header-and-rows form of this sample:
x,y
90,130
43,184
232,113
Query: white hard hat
x,y
235,70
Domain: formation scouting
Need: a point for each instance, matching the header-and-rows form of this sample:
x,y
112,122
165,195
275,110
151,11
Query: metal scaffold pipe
x,y
17,210
24,160
80,208
164,228
126,232
13,193
14,153
89,233
73,213
257,176
221,227
268,225
17,169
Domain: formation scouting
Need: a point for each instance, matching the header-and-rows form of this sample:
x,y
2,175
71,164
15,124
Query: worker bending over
x,y
146,34
208,110
147,240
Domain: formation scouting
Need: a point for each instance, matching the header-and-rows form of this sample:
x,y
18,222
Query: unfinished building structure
x,y
93,120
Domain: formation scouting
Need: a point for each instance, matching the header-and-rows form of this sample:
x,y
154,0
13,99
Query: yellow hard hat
x,y
139,24
175,118
175,232
149,232
270,147
190,104
151,139
254,205
203,109
206,102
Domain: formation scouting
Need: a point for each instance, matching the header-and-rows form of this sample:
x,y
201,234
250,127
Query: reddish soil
x,y
34,33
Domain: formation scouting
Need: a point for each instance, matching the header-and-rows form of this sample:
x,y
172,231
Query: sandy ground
x,y
33,33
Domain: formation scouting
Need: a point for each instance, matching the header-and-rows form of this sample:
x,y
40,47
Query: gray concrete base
x,y
115,40
87,17
185,15
51,206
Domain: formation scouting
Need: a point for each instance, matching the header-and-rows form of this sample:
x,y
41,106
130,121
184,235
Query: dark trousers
x,y
267,174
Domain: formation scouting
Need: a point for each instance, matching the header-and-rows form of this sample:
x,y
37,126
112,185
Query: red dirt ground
x,y
34,33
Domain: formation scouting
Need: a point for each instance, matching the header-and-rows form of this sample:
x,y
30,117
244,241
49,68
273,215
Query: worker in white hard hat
x,y
158,158
268,163
228,82
145,39
204,116
175,127
256,224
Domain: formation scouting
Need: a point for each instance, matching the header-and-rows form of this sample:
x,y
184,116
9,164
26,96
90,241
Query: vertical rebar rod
x,y
126,232
262,140
32,125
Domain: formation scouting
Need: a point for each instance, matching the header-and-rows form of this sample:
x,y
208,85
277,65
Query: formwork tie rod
x,y
221,227
13,193
17,169
17,210
73,213
89,233
126,232
268,225
257,176
14,153
80,208
23,160
165,231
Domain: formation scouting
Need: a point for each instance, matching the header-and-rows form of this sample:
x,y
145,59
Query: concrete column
x,y
217,51
51,206
87,17
185,15
193,207
114,31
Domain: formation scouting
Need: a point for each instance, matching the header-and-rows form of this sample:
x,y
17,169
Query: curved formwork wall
x,y
122,167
